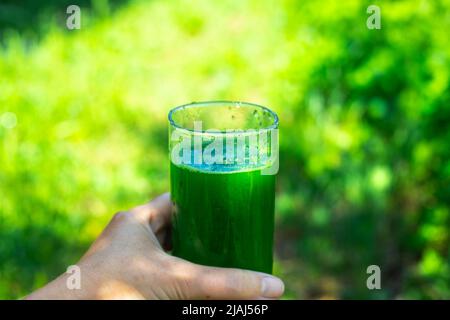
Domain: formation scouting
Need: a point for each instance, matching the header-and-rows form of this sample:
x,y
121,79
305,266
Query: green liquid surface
x,y
223,219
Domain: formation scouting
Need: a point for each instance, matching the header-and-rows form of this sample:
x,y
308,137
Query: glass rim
x,y
213,103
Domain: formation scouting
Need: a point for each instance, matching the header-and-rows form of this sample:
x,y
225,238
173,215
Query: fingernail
x,y
272,287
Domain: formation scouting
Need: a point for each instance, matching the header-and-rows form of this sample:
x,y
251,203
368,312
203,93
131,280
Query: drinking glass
x,y
223,163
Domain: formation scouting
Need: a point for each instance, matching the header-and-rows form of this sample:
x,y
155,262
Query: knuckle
x,y
183,276
237,283
121,216
243,284
232,284
182,271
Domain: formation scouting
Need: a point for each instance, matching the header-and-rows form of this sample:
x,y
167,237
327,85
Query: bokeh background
x,y
364,115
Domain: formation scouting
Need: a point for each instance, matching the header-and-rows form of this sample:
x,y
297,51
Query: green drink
x,y
224,198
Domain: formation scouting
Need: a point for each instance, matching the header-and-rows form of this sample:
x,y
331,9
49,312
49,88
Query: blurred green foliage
x,y
364,114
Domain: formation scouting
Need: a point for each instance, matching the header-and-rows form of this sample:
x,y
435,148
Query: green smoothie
x,y
223,219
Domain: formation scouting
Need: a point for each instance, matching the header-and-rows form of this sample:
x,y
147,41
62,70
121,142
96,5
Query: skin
x,y
127,261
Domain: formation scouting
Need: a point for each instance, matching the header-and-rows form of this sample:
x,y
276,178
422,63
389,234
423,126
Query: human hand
x,y
127,261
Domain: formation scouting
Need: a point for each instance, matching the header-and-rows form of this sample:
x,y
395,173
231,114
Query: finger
x,y
157,213
201,282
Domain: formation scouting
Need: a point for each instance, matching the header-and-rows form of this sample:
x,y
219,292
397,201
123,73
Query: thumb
x,y
204,282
